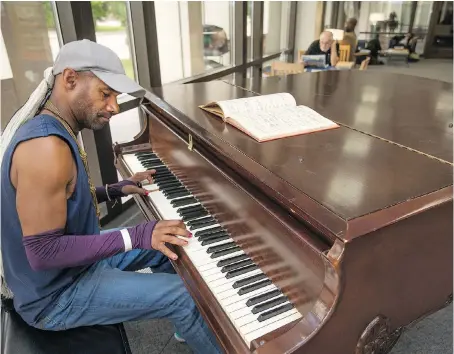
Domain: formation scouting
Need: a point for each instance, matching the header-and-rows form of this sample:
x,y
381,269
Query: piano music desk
x,y
359,217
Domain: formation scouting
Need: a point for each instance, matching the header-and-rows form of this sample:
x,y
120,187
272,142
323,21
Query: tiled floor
x,y
433,335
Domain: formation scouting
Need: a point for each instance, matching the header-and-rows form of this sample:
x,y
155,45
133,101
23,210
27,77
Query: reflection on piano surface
x,y
278,264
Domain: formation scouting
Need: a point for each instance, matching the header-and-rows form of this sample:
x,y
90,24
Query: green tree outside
x,y
102,10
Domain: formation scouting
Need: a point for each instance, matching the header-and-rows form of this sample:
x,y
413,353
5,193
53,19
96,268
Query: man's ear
x,y
70,78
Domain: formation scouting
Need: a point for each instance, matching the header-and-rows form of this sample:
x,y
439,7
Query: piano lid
x,y
343,182
408,110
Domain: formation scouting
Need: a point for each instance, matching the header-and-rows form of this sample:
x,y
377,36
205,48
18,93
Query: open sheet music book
x,y
269,117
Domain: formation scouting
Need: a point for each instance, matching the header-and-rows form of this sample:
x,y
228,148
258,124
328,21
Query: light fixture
x,y
376,17
338,34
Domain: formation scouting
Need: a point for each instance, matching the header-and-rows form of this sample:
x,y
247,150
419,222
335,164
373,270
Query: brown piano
x,y
331,242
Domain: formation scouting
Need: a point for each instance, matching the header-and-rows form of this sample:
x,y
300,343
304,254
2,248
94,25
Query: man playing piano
x,y
62,270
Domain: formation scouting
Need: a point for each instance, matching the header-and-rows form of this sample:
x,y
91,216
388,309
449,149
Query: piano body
x,y
330,242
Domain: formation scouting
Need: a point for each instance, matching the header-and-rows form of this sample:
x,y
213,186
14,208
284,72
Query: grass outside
x,y
127,65
109,28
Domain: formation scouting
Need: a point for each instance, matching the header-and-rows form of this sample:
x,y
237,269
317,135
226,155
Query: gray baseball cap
x,y
86,55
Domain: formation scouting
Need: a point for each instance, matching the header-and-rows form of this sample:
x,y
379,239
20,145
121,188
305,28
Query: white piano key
x,y
261,328
242,303
254,325
243,317
232,303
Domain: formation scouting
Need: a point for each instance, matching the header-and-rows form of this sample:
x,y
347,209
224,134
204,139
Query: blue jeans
x,y
111,292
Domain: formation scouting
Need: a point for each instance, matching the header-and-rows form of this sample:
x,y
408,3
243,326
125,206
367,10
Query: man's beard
x,y
87,116
94,122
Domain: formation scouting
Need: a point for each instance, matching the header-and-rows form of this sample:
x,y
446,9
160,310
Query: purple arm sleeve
x,y
53,249
114,190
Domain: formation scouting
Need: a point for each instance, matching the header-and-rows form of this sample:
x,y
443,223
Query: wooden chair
x,y
300,54
364,64
282,68
344,52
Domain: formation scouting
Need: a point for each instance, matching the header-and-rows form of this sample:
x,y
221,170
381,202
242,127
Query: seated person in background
x,y
375,47
350,37
325,45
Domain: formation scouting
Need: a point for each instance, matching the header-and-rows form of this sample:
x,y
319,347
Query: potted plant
x,y
392,23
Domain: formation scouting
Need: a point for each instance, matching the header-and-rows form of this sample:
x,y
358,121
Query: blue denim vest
x,y
35,291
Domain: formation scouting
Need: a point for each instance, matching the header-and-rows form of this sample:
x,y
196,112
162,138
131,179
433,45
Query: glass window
x,y
29,45
193,37
113,31
250,5
446,13
276,19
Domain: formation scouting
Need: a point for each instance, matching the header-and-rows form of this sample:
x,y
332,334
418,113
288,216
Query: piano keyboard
x,y
253,303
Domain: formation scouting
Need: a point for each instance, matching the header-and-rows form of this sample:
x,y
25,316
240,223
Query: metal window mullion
x,y
239,30
144,31
292,30
257,35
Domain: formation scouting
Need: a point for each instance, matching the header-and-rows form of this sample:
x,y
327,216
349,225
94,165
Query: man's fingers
x,y
167,252
177,231
170,223
174,240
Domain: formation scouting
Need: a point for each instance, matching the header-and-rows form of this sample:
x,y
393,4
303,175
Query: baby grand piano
x,y
325,243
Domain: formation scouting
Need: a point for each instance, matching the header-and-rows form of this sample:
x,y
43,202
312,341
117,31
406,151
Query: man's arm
x,y
41,171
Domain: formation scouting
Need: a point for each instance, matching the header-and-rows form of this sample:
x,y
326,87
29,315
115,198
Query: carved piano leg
x,y
378,338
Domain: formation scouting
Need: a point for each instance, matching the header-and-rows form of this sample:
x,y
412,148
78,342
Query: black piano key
x,y
263,297
232,260
165,185
225,252
160,169
200,221
274,312
152,164
178,195
148,158
147,161
172,188
205,224
230,267
247,289
164,178
157,176
145,155
269,304
244,270
214,240
208,231
184,201
213,235
193,216
167,181
249,280
221,247
189,208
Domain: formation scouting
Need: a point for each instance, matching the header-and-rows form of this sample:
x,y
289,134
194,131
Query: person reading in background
x,y
63,272
327,46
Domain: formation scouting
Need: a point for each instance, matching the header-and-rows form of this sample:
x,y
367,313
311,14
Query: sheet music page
x,y
249,106
284,121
